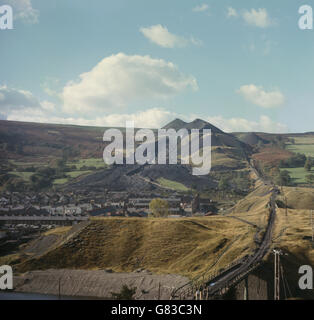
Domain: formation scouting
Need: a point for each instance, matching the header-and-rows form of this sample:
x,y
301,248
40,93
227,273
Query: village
x,y
24,215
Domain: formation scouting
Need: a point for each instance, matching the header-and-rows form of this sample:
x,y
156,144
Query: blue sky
x,y
243,65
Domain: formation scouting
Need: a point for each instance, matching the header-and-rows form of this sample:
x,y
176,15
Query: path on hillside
x,y
224,281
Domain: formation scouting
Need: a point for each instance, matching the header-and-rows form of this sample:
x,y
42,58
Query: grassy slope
x,y
227,157
186,246
298,198
293,233
172,184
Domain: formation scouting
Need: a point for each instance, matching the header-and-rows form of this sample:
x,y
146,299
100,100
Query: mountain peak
x,y
176,124
200,124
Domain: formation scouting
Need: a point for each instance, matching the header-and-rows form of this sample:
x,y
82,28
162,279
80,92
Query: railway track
x,y
222,283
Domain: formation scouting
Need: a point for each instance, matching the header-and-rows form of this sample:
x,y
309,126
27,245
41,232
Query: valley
x,y
219,228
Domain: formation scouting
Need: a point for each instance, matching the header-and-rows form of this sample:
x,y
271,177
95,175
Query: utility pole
x,y
277,254
59,288
286,206
312,226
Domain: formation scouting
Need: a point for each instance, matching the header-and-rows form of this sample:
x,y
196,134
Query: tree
x,y
283,178
126,293
223,183
297,160
159,207
308,164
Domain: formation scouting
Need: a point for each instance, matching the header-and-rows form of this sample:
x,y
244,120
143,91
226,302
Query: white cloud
x,y
150,118
265,124
160,35
258,18
21,105
23,10
231,12
48,106
260,97
51,86
201,8
14,99
120,80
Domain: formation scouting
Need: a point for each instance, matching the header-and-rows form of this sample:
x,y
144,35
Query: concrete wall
x,y
252,288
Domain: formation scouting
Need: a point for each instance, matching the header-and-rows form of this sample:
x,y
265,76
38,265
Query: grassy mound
x,y
183,246
298,198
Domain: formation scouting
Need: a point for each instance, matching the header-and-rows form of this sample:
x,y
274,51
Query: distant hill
x,y
33,144
228,153
250,138
26,140
219,138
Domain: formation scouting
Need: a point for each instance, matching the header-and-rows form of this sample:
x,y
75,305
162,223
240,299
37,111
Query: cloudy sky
x,y
242,65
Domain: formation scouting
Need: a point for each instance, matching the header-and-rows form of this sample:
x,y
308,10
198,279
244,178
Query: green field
x,y
70,175
298,175
28,163
91,162
303,145
23,175
75,174
60,181
172,184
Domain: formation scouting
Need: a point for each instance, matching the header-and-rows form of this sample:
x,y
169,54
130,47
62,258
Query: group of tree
x,y
43,178
296,161
239,180
309,164
159,208
283,178
278,141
